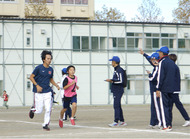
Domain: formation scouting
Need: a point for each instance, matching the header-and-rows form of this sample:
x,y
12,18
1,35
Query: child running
x,y
68,112
70,95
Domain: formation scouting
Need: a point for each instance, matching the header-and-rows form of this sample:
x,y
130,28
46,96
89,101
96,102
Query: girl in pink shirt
x,y
70,95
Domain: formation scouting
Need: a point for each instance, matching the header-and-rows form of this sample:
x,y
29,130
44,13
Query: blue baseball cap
x,y
64,70
154,55
163,49
115,58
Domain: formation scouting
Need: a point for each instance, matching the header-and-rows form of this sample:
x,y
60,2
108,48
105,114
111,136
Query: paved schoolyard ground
x,y
91,123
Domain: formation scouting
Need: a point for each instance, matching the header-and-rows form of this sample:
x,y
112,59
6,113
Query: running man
x,y
41,77
70,95
175,96
117,89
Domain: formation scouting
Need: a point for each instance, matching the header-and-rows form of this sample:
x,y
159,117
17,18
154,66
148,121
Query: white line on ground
x,y
104,128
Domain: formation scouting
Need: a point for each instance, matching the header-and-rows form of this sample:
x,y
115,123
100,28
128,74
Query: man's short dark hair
x,y
71,66
173,57
44,53
117,63
4,91
165,54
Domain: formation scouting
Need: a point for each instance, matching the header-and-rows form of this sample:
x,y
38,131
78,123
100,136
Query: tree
x,y
111,14
149,12
37,9
182,13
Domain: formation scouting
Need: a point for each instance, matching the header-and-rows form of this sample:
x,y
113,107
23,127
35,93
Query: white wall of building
x,y
92,68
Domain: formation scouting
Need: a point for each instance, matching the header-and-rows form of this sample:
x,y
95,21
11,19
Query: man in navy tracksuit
x,y
117,89
165,86
155,120
175,96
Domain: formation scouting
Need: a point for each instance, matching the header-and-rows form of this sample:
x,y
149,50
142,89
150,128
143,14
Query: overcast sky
x,y
129,7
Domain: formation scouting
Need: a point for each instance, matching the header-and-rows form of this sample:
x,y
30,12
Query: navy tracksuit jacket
x,y
175,97
153,82
117,90
166,85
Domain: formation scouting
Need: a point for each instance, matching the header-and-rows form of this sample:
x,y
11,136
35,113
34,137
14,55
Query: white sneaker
x,y
114,124
122,124
187,123
157,127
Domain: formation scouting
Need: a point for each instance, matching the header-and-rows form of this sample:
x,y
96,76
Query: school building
x,y
61,9
88,45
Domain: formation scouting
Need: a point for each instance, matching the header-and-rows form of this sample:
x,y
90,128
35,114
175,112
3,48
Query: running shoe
x,y
60,123
187,123
72,121
114,124
46,128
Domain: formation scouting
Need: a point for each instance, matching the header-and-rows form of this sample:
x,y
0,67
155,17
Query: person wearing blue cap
x,y
165,86
117,89
175,96
68,112
155,119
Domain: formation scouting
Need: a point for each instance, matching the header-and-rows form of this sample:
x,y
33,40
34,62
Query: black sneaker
x,y
31,113
46,128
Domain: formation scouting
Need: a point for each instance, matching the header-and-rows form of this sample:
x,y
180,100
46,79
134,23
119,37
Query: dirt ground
x,y
92,122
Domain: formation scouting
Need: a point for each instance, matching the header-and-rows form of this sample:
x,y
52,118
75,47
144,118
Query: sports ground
x,y
91,123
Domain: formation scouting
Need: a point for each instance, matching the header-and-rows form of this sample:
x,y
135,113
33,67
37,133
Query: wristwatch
x,y
36,84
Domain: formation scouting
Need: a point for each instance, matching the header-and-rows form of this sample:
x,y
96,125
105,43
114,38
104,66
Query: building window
x,y
103,43
85,43
117,43
76,2
121,43
184,43
27,41
132,43
7,0
168,42
76,43
181,43
48,42
94,43
97,43
47,1
155,43
151,43
85,2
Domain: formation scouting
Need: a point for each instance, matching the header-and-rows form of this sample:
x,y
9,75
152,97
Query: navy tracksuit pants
x,y
155,110
179,105
165,106
155,106
118,112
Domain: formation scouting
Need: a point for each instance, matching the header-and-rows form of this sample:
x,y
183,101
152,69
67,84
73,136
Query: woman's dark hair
x,y
71,66
44,53
173,57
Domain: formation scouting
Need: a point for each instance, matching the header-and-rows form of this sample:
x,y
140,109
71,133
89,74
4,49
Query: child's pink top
x,y
71,91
